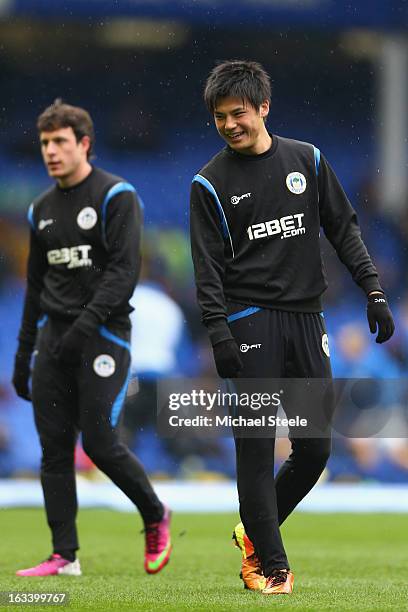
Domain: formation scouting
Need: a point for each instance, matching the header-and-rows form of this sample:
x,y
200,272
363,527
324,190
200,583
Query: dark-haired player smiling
x,y
256,212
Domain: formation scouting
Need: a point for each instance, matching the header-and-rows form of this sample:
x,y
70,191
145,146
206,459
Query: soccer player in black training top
x,y
83,266
256,212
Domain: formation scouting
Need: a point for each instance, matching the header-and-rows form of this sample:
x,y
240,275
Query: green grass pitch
x,y
341,562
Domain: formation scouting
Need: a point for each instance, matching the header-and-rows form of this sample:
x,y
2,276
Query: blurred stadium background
x,y
340,81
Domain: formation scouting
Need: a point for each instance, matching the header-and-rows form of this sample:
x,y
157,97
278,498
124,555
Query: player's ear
x,y
264,109
86,143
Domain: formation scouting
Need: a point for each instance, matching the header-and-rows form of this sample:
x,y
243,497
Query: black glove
x,y
227,358
379,314
72,346
21,374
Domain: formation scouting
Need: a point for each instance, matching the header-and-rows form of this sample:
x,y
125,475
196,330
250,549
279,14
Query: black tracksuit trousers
x,y
291,345
86,399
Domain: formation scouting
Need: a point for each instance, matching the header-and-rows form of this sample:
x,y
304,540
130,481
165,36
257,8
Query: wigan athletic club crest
x,y
296,182
104,365
325,344
87,218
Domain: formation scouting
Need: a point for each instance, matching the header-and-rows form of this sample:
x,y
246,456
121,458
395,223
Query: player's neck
x,y
76,177
263,143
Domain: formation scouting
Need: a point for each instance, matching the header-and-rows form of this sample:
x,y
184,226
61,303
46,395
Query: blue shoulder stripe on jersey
x,y
243,313
30,216
113,191
41,322
119,401
225,229
105,333
316,152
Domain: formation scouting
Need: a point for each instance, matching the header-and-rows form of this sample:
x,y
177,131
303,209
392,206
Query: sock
x,y
69,555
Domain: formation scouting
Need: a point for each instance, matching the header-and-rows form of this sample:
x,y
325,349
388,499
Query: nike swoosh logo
x,y
44,222
155,564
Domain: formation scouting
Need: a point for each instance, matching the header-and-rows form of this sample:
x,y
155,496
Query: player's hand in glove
x,y
72,346
22,373
227,358
379,315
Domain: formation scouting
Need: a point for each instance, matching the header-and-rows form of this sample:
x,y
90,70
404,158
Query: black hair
x,y
239,79
60,115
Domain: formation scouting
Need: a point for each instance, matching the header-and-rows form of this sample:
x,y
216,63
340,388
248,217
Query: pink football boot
x,y
158,544
53,566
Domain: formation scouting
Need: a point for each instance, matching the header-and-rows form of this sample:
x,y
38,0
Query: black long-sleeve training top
x,y
255,228
84,257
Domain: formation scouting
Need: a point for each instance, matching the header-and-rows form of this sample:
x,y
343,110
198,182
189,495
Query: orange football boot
x,y
251,571
280,582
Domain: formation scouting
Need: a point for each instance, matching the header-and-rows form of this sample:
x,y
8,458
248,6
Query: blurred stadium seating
x,y
139,69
